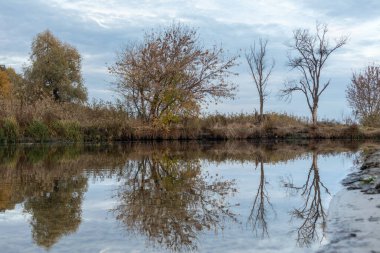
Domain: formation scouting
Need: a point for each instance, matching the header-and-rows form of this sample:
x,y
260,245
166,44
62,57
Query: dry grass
x,y
102,122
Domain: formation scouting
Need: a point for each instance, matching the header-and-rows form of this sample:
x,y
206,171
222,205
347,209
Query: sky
x,y
99,29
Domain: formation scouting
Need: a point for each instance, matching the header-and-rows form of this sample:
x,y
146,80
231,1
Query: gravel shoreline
x,y
353,221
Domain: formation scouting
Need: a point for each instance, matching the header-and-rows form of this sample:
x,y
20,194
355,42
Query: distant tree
x,y
56,69
170,74
260,70
312,52
363,95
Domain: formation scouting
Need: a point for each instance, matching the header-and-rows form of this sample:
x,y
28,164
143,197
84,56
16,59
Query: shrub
x,y
38,131
269,125
352,132
10,129
73,131
68,130
371,120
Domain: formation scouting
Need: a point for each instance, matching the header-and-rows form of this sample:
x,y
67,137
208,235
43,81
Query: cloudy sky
x,y
99,28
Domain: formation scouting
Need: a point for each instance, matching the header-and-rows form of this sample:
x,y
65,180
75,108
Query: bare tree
x,y
363,95
312,52
260,70
170,74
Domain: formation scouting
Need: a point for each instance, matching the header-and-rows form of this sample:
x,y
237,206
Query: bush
x,y
10,129
352,132
269,125
38,131
68,130
371,120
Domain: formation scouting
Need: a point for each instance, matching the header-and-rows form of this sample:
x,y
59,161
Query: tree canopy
x,y
363,95
56,69
170,74
311,51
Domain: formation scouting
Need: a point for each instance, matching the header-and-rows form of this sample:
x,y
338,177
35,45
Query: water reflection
x,y
56,212
258,214
50,183
170,201
312,212
165,191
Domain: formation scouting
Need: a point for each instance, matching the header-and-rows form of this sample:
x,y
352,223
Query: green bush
x,y
67,130
10,130
38,131
73,131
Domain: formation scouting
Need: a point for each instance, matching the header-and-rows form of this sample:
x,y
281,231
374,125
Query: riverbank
x,y
353,222
49,121
213,127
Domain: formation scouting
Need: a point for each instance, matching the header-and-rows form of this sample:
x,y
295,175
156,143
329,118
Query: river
x,y
235,196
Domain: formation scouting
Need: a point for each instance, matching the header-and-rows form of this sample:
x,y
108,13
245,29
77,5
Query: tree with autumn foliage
x,y
55,70
170,74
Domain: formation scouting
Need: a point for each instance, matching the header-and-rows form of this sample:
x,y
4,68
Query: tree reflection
x,y
57,212
258,216
312,212
170,201
165,197
50,183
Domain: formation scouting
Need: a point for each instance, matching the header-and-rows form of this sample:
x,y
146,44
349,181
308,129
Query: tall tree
x,y
56,69
311,53
363,95
260,70
170,74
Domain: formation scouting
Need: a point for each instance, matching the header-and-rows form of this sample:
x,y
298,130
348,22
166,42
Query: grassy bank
x,y
49,121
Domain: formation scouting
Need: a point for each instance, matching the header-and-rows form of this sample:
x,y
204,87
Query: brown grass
x,y
104,122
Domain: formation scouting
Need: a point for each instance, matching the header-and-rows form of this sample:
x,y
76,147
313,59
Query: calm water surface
x,y
169,197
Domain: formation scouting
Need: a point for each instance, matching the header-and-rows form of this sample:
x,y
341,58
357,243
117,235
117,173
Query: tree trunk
x,y
261,108
314,115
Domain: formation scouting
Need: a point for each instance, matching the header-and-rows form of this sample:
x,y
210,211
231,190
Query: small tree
x,y
170,74
260,71
56,69
312,52
363,95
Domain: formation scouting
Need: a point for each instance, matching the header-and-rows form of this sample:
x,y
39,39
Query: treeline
x,y
163,83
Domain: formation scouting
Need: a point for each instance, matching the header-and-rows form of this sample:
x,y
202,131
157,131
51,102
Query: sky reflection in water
x,y
175,197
